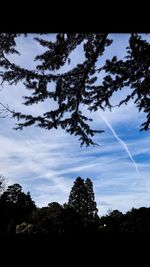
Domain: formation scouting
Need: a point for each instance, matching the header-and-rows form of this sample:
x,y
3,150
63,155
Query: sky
x,y
46,163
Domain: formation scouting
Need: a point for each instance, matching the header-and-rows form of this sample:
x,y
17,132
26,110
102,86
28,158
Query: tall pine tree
x,y
78,196
81,198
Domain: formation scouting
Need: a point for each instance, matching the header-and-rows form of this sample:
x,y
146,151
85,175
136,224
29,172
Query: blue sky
x,y
47,162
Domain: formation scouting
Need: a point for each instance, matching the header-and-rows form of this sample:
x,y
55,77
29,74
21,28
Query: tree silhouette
x,y
78,197
15,207
20,216
81,199
78,86
48,220
137,221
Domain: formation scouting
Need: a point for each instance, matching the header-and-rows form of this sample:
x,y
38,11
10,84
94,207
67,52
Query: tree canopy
x,y
78,86
20,216
82,199
15,206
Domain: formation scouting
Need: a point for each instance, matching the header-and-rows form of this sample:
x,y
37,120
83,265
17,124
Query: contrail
x,y
122,143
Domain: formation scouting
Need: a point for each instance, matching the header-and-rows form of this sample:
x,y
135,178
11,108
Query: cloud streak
x,y
122,143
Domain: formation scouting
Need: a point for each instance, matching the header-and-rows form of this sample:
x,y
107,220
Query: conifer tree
x,y
82,198
78,196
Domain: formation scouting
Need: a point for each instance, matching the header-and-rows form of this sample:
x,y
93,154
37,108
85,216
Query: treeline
x,y
20,216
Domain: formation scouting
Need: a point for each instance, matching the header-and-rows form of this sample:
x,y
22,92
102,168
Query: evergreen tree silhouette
x,y
78,197
81,199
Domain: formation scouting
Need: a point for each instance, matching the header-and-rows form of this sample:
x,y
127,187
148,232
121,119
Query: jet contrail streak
x,y
122,143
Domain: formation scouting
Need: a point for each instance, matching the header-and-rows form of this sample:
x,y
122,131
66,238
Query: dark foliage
x,y
15,207
82,200
78,87
78,220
